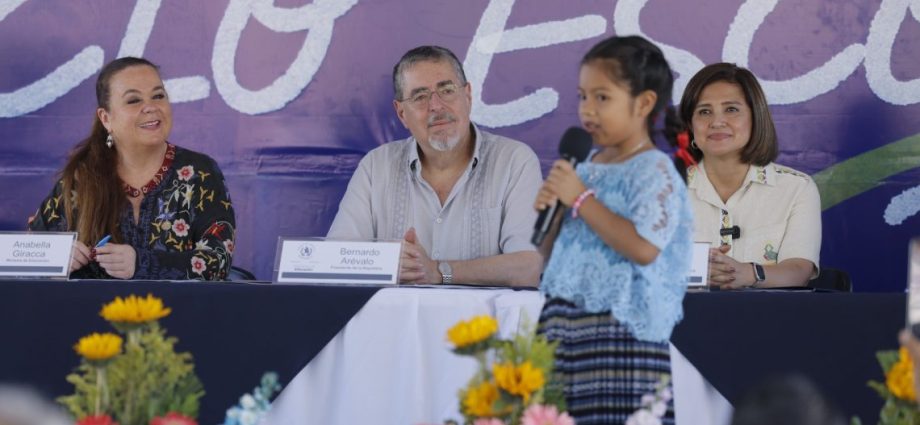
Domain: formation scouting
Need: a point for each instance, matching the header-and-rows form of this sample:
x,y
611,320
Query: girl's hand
x,y
561,184
118,260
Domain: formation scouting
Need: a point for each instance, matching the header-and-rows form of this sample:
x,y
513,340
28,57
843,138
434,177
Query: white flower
x,y
249,417
186,173
233,412
659,408
180,228
198,265
647,400
247,402
643,417
666,394
202,245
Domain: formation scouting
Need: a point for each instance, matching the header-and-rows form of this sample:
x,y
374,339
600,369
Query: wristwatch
x,y
446,272
759,275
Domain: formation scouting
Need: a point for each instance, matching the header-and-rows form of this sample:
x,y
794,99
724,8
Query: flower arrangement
x,y
654,405
513,384
133,377
900,406
253,407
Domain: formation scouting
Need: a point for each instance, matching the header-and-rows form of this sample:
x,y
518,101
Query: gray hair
x,y
420,54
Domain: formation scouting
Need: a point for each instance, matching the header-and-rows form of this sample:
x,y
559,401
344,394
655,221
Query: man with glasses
x,y
460,198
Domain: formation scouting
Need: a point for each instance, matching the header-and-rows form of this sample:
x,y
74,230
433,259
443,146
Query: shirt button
x,y
436,255
439,220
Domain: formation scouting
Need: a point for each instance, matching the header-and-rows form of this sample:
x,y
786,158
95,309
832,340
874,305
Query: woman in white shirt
x,y
762,219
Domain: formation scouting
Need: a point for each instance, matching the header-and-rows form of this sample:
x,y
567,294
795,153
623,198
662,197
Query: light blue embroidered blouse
x,y
582,269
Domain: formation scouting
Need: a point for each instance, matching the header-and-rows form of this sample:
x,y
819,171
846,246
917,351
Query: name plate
x,y
35,254
319,261
699,266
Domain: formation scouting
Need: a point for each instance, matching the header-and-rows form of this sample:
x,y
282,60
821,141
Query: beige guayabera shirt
x,y
488,212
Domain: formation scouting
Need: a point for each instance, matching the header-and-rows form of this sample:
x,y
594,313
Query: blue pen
x,y
103,241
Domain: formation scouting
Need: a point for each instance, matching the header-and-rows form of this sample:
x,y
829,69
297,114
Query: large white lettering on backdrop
x,y
491,38
814,83
318,17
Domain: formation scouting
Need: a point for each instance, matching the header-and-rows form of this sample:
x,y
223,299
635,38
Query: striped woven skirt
x,y
604,369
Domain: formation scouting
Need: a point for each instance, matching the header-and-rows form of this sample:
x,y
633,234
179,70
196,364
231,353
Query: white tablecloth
x,y
392,363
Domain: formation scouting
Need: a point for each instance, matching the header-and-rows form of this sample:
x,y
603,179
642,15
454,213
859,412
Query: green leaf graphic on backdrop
x,y
866,171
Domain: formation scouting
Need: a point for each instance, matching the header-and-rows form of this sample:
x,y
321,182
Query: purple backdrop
x,y
288,97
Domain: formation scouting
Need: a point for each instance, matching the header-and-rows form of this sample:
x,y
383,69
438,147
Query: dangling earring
x,y
110,141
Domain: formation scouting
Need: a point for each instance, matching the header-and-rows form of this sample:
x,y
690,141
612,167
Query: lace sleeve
x,y
655,202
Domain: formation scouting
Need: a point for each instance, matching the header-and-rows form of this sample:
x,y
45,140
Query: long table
x,y
238,331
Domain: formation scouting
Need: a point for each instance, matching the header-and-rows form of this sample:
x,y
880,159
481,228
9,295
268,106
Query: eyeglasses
x,y
421,99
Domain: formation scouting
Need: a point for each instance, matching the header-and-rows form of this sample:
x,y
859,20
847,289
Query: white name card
x,y
699,266
321,261
35,254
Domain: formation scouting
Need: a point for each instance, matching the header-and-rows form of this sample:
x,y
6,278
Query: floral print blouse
x,y
185,229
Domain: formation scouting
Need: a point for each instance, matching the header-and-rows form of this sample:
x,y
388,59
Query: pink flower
x,y
97,420
186,173
198,265
229,245
489,421
173,418
539,414
180,228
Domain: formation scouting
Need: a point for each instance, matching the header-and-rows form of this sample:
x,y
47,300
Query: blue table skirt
x,y
238,331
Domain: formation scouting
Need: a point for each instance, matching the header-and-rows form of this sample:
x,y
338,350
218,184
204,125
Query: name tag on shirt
x,y
699,266
319,261
35,254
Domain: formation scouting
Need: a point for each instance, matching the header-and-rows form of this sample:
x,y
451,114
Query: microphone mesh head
x,y
575,144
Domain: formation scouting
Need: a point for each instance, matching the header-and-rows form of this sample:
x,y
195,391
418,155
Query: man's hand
x,y
414,264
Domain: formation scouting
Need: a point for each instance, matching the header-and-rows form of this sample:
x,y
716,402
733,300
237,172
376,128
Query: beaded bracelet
x,y
579,200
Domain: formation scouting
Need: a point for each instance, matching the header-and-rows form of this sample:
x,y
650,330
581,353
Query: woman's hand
x,y
80,256
727,273
562,184
118,260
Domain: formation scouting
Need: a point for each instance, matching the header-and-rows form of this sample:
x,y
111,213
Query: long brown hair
x,y
92,191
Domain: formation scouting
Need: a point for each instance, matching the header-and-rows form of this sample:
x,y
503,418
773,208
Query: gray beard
x,y
444,145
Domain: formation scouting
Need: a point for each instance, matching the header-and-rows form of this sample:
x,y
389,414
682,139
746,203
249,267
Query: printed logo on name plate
x,y
306,250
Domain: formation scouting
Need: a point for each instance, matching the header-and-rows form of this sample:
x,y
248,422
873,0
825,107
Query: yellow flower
x,y
98,347
900,378
478,400
134,310
477,329
520,380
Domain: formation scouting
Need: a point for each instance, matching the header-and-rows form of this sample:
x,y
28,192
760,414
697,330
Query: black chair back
x,y
832,279
240,274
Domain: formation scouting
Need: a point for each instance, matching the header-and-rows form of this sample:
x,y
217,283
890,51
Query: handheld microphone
x,y
574,147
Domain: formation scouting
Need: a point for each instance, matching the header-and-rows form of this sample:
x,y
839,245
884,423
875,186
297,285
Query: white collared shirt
x,y
488,212
777,209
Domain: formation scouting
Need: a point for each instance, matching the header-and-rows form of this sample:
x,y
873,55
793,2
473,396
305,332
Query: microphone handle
x,y
546,219
548,216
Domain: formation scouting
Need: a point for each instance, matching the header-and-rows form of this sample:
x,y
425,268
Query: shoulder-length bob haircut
x,y
762,148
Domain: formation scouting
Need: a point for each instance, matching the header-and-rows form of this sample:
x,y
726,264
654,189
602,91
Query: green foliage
x,y
149,379
895,411
82,402
523,346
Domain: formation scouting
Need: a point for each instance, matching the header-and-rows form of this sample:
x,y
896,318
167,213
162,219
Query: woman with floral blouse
x,y
166,208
